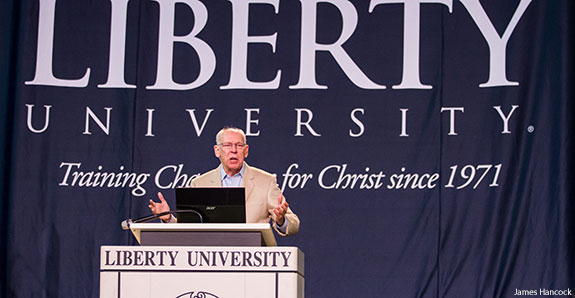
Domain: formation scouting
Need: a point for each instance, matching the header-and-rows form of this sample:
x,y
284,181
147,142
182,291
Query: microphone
x,y
126,223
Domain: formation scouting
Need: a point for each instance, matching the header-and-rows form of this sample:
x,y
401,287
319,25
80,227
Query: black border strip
x,y
119,284
277,284
201,271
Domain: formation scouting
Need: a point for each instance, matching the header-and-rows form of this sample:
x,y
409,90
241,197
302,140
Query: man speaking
x,y
264,199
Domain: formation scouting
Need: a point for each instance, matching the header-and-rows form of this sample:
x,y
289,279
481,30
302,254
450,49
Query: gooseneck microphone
x,y
126,223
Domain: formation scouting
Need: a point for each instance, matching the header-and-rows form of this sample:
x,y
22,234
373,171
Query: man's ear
x,y
217,151
246,151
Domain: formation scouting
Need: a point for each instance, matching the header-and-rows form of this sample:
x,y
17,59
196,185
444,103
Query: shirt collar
x,y
224,175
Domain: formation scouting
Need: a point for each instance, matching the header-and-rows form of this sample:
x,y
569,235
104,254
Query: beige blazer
x,y
262,194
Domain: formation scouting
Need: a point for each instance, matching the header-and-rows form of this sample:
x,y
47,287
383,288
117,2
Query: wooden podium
x,y
203,234
202,260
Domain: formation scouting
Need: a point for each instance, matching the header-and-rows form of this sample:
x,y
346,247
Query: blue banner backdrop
x,y
425,145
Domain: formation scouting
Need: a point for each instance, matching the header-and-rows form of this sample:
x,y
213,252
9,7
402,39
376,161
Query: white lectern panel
x,y
207,272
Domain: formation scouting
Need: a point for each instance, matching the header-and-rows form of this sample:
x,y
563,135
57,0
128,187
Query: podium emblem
x,y
199,294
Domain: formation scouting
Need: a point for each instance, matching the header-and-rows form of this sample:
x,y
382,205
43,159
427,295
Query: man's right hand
x,y
160,207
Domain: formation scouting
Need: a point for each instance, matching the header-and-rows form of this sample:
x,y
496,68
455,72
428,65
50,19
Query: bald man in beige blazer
x,y
264,200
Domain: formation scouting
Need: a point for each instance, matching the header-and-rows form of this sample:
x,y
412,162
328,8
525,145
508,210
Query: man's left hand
x,y
281,210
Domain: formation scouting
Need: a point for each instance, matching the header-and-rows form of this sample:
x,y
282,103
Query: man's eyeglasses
x,y
228,146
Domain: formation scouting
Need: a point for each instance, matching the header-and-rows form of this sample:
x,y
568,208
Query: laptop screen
x,y
214,204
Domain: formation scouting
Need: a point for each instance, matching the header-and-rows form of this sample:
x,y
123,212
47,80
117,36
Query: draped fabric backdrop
x,y
427,146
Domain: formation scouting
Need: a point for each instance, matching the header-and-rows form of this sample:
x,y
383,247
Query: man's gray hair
x,y
220,134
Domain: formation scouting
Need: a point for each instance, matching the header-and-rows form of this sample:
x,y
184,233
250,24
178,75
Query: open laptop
x,y
214,204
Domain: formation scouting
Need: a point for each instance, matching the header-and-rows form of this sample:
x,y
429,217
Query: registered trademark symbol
x,y
530,129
